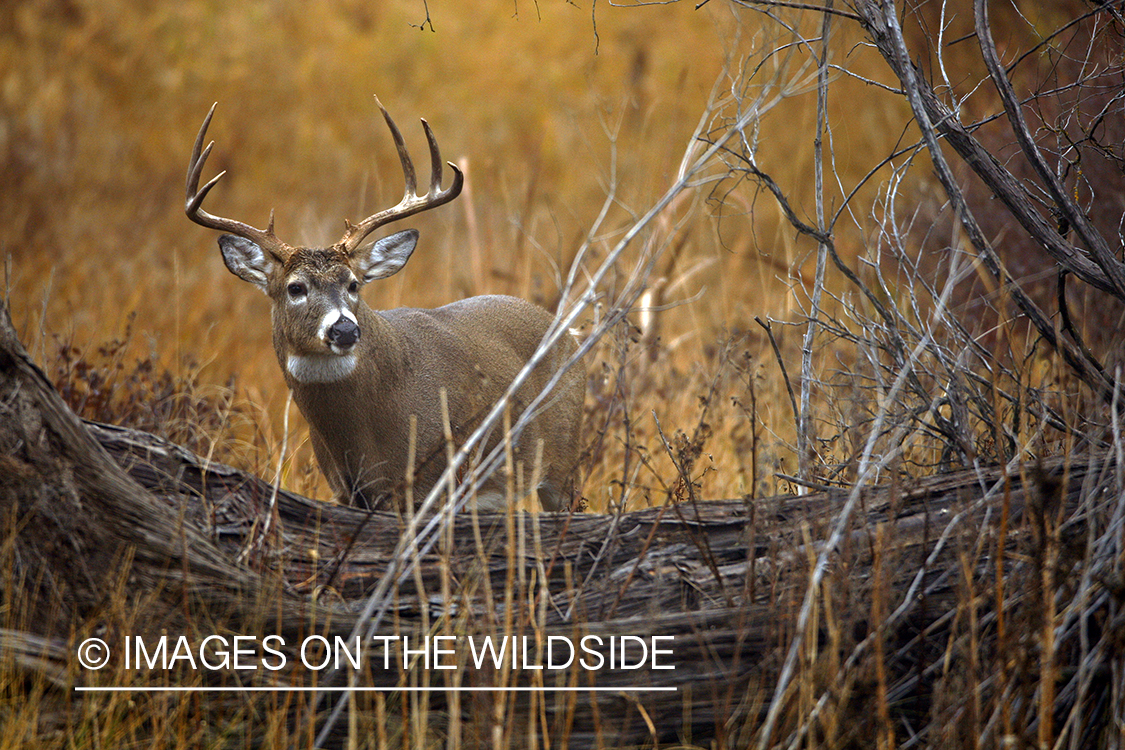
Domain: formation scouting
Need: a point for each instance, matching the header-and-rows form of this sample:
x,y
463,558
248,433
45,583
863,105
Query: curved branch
x,y
1002,183
887,35
1091,238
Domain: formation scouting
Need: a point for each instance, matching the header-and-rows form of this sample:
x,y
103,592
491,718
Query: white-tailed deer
x,y
358,374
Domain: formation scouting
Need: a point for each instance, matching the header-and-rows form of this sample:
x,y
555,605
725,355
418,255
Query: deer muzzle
x,y
343,333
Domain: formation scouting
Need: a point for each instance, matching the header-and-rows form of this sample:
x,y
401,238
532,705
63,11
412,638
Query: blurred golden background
x,y
550,106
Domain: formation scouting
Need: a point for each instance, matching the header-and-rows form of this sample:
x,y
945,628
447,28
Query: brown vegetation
x,y
858,278
948,580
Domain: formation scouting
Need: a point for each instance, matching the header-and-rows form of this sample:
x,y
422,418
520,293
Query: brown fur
x,y
472,349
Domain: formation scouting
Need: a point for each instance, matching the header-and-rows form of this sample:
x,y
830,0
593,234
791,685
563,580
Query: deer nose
x,y
343,333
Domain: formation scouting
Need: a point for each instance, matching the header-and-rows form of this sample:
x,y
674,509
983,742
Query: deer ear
x,y
387,256
245,260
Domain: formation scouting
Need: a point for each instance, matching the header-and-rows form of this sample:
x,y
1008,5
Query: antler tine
x,y
435,160
411,202
198,154
193,206
403,155
437,194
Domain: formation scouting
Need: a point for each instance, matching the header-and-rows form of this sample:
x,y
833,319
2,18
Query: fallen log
x,y
961,580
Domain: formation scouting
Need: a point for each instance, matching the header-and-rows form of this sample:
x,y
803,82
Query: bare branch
x,y
1091,238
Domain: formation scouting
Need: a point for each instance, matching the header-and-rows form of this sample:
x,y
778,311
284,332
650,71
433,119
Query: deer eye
x,y
297,290
353,287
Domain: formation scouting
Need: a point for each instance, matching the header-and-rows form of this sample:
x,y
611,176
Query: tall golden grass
x,y
546,104
550,108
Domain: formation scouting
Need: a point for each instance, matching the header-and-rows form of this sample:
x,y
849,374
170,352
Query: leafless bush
x,y
987,373
927,350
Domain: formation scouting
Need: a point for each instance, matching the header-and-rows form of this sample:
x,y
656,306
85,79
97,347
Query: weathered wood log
x,y
87,504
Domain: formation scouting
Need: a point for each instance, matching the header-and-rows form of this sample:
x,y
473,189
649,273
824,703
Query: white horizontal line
x,y
159,689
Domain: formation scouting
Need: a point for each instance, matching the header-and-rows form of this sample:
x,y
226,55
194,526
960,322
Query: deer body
x,y
366,449
370,383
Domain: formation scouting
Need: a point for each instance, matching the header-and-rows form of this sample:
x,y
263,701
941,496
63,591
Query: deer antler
x,y
266,240
411,202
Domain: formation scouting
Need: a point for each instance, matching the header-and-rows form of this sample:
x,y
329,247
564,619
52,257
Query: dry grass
x,y
130,310
100,106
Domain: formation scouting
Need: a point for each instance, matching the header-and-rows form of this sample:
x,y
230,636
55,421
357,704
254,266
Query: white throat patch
x,y
320,368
